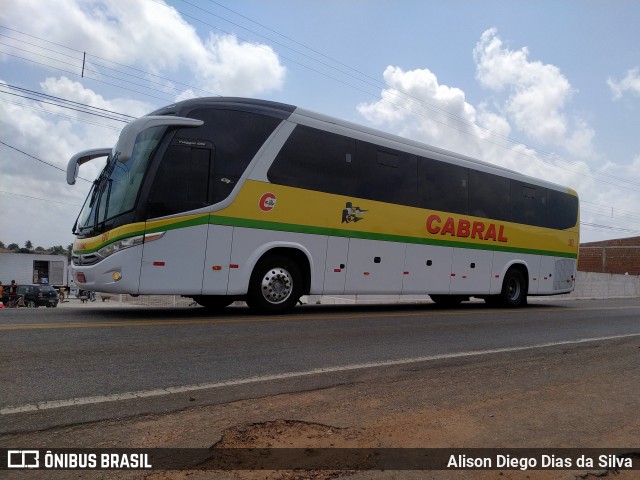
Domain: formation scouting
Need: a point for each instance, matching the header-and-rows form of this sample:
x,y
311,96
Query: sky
x,y
550,89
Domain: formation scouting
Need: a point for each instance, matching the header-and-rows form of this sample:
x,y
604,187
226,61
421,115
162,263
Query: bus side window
x,y
489,196
386,175
181,182
443,186
317,160
528,204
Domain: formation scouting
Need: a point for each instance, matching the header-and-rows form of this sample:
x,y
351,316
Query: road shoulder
x,y
582,395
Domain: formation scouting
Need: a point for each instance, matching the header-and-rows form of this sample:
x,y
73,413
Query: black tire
x,y
31,304
275,285
213,302
514,289
448,301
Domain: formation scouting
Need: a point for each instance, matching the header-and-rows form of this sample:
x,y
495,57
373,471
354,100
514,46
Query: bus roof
x,y
276,109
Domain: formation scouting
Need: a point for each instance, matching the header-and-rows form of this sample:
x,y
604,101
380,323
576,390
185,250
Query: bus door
x,y
173,258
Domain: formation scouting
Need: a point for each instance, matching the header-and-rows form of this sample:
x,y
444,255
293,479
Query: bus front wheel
x,y
275,285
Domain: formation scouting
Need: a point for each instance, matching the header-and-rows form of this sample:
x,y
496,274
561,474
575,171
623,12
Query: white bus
x,y
222,199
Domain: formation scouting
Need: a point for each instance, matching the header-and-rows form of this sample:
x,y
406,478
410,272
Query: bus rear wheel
x,y
514,289
275,285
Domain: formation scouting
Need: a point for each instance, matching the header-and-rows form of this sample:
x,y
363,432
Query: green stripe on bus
x,y
334,232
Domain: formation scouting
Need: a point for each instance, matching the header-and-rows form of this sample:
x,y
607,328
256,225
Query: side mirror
x,y
83,157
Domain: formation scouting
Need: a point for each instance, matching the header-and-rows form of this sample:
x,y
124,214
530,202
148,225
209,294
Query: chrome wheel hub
x,y
277,285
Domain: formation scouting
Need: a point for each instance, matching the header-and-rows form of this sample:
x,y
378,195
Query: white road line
x,y
32,407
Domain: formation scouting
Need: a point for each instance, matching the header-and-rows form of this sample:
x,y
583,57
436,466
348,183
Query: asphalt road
x,y
111,361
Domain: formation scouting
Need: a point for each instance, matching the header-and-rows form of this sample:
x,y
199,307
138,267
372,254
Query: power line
x,y
48,200
587,224
65,106
284,36
413,99
90,55
164,99
611,212
26,90
609,227
40,160
58,114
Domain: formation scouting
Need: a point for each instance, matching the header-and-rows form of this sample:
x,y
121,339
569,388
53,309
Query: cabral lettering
x,y
464,229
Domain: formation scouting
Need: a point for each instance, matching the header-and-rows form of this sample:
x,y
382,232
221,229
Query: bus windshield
x,y
116,189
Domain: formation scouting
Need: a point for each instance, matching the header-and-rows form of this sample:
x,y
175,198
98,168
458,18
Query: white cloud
x,y
75,91
536,95
528,97
531,97
145,35
418,106
153,37
53,135
232,67
630,83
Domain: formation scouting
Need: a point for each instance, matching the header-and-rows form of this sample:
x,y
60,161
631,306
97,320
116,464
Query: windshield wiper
x,y
106,205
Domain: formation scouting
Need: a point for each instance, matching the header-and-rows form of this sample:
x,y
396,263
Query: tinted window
x,y
386,175
562,210
202,165
182,181
47,289
442,186
489,196
327,162
317,160
237,137
528,204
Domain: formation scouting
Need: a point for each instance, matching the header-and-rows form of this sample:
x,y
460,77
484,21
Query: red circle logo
x,y
267,202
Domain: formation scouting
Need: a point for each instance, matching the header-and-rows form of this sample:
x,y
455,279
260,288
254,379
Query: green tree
x,y
13,246
28,245
58,250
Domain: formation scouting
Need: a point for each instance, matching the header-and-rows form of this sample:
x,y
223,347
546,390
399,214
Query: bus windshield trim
x,y
130,132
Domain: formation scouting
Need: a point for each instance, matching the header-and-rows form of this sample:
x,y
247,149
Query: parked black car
x,y
38,295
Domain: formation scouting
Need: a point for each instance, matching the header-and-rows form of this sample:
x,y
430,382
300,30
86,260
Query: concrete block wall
x,y
605,285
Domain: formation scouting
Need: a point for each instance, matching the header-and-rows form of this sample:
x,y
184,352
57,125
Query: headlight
x,y
120,245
